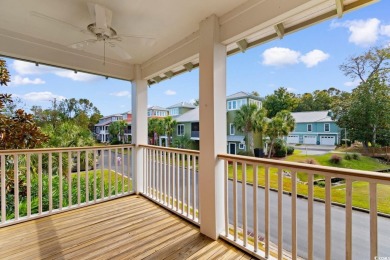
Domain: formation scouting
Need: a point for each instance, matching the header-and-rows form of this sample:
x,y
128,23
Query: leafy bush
x,y
356,156
321,183
245,153
348,157
290,150
115,141
279,148
335,159
310,161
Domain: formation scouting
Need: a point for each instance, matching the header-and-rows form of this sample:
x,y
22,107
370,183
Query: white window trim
x,y
241,146
311,128
179,126
325,127
231,127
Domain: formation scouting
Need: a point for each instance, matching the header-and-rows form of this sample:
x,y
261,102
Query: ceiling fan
x,y
101,31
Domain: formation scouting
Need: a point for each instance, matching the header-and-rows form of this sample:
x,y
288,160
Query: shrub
x,y
279,148
310,161
321,183
290,150
335,159
356,156
348,157
245,153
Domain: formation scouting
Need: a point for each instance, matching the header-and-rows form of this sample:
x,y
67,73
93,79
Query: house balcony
x,y
195,134
86,203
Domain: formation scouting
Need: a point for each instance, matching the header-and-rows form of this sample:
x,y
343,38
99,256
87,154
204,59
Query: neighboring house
x,y
180,108
237,141
316,127
101,128
188,123
157,112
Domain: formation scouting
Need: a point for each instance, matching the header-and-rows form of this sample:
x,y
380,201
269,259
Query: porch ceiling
x,y
44,30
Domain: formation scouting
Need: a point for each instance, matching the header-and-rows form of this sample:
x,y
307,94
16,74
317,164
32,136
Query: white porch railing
x,y
40,182
171,179
251,228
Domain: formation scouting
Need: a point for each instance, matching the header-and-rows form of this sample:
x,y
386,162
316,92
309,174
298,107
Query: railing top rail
x,y
178,150
347,173
63,149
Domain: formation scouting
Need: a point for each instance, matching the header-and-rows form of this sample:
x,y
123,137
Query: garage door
x,y
293,139
327,140
310,139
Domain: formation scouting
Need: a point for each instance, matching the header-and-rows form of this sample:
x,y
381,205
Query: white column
x,y
139,124
212,113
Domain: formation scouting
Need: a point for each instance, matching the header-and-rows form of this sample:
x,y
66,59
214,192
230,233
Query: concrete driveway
x,y
314,149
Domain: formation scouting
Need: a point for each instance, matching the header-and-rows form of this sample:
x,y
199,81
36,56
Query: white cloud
x,y
41,96
385,30
314,57
352,84
28,68
283,56
19,80
279,57
124,93
291,89
170,92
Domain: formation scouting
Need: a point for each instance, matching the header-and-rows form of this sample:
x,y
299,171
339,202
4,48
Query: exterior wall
x,y
318,130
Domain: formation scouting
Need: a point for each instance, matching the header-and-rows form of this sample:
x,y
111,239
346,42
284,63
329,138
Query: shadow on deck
x,y
127,228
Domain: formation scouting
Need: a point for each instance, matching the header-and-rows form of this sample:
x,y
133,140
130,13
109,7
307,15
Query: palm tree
x,y
169,126
117,130
154,129
282,124
250,119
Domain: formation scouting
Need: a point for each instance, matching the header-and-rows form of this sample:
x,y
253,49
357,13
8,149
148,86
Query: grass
x,y
360,192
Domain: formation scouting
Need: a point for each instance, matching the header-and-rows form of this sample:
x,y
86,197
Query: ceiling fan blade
x,y
52,19
81,45
120,52
101,15
143,39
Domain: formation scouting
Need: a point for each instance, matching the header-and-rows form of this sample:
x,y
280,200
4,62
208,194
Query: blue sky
x,y
302,62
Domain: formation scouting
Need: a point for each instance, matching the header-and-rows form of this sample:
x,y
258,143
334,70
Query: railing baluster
x,y
154,175
78,179
129,167
109,172
266,211
188,184
28,172
16,186
169,179
3,201
40,183
165,178
310,216
177,180
86,177
60,180
280,213
123,169
348,220
50,182
69,179
244,206
193,187
182,182
255,219
328,224
149,172
102,174
373,222
226,175
116,171
235,211
294,215
94,176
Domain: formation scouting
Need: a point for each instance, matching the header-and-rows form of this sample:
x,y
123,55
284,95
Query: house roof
x,y
242,94
235,138
182,104
312,116
157,108
190,116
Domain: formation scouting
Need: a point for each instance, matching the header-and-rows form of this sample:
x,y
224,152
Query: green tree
x,y
249,119
155,129
117,130
279,126
169,124
183,142
280,100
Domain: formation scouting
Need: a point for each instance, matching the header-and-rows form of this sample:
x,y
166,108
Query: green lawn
x,y
360,197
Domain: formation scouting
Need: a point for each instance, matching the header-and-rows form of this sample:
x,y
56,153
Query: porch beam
x,y
339,8
139,128
23,47
212,114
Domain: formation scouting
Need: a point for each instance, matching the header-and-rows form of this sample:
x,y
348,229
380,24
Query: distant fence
x,y
379,152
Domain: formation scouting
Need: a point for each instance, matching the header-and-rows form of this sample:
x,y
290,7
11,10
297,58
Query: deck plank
x,y
131,227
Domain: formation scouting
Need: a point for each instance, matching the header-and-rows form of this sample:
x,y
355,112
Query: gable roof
x,y
312,116
157,108
242,94
182,104
190,116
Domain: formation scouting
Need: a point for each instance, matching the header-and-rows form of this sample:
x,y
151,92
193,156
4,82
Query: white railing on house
x,y
40,182
264,220
171,179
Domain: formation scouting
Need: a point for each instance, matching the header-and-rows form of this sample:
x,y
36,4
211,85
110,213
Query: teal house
x,y
314,128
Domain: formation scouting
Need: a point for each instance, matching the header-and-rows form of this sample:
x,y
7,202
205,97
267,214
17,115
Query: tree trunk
x,y
250,140
271,147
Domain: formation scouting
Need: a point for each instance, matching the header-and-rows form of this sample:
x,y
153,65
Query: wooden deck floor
x,y
126,228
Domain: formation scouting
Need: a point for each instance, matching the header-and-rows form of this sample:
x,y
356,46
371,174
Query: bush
x,y
245,153
279,148
356,156
348,157
335,159
290,150
115,141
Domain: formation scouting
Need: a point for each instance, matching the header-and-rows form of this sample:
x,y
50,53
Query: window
x,y
256,102
174,111
232,129
241,146
236,104
180,129
149,112
309,127
327,127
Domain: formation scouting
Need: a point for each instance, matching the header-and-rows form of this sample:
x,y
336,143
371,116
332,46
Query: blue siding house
x,y
316,127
